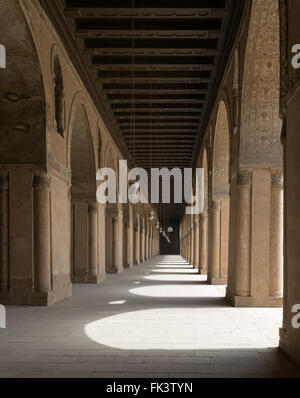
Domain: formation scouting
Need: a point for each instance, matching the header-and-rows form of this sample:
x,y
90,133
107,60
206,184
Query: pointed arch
x,y
221,153
59,100
83,165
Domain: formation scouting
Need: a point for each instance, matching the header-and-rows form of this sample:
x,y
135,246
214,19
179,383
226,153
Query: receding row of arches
x,y
242,158
52,143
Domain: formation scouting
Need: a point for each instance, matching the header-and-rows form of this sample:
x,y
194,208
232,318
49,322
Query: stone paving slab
x,y
158,320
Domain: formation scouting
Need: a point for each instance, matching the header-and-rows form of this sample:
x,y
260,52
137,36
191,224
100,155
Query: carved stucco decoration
x,y
41,181
260,123
244,177
290,77
277,179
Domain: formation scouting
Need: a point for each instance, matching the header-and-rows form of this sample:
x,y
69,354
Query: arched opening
x,y
83,197
58,96
219,201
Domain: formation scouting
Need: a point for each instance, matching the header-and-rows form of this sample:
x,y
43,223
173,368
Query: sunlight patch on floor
x,y
183,278
188,329
177,291
174,271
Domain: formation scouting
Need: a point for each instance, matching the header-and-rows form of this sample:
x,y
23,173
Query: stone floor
x,y
160,319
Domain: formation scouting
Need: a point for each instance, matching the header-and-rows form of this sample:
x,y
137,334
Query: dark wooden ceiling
x,y
155,65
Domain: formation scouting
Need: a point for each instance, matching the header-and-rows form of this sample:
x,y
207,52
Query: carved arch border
x,y
222,98
78,100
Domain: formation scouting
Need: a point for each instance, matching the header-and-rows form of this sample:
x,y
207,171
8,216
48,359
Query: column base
x,y
96,279
128,266
88,279
4,298
34,299
114,271
217,281
239,301
283,339
202,272
22,294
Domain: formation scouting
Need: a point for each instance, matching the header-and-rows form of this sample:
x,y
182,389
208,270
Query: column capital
x,y
215,204
3,181
93,207
111,210
277,179
69,192
41,181
204,216
244,176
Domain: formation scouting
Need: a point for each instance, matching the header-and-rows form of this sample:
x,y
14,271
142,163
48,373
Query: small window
x,y
59,97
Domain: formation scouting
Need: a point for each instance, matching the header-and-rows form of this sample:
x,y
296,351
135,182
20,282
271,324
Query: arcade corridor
x,y
159,320
149,188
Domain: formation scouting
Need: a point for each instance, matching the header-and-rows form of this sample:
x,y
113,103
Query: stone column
x,y
125,245
146,241
42,247
131,238
133,246
196,243
190,246
115,238
214,241
150,241
137,244
4,258
218,240
142,242
93,241
276,236
120,241
129,244
186,247
192,242
203,243
256,244
243,234
111,237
